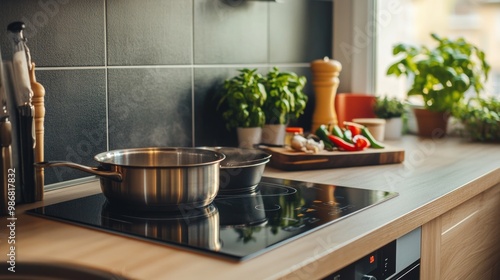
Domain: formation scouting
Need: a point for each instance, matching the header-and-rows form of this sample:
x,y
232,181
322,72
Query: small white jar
x,y
376,126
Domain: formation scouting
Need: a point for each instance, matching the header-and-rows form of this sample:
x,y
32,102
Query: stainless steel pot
x,y
156,179
242,169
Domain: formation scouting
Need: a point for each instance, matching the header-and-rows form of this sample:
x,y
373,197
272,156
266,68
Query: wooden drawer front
x,y
464,243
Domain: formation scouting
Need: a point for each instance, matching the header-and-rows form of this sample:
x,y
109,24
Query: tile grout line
x,y
268,33
193,114
298,64
106,72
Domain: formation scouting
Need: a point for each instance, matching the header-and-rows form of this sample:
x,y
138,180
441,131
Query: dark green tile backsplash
x,y
226,34
127,73
75,119
153,32
60,32
149,107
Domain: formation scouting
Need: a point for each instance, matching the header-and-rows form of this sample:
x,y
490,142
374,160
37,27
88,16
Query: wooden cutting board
x,y
289,160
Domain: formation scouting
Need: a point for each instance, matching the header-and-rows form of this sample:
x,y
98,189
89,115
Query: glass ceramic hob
x,y
237,226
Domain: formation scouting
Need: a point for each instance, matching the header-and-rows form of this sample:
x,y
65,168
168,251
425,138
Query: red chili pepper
x,y
355,128
359,143
341,144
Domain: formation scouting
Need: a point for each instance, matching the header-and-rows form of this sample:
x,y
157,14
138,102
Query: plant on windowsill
x,y
240,104
480,118
285,101
393,111
441,76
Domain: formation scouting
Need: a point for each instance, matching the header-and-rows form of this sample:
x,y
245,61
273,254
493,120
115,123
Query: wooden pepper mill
x,y
39,104
325,83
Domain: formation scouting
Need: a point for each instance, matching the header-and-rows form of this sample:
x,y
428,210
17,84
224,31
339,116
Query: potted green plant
x,y
480,118
440,76
285,101
392,110
240,104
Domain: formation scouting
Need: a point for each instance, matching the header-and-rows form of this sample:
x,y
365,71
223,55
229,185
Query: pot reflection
x,y
198,227
246,209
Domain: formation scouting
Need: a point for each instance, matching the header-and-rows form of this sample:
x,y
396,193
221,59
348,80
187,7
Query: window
x,y
366,30
478,21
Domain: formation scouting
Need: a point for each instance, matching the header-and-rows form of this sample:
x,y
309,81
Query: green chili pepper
x,y
337,131
373,143
322,132
347,135
343,133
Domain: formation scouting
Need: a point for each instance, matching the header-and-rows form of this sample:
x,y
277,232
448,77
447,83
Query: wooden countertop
x,y
436,176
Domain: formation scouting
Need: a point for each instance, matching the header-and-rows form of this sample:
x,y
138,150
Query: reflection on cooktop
x,y
237,226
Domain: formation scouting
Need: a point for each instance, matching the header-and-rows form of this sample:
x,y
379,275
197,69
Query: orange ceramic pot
x,y
431,124
353,105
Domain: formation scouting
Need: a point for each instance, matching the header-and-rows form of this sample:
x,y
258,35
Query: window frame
x,y
354,44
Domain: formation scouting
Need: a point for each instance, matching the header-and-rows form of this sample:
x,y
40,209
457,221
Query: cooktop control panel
x,y
397,260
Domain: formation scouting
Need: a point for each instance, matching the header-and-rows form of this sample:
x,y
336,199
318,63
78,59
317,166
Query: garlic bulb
x,y
302,144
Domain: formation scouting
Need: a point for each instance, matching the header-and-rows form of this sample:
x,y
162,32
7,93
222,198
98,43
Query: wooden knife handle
x,y
5,163
39,104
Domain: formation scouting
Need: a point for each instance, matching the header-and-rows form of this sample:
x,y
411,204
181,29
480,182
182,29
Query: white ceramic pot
x,y
393,128
249,136
274,134
376,126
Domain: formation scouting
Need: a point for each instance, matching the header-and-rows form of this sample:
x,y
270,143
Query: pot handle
x,y
115,176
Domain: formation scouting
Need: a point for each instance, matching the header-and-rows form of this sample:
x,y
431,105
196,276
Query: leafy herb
x,y
242,99
285,97
481,119
442,75
251,100
387,108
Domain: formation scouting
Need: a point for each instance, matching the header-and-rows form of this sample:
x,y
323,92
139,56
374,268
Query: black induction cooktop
x,y
237,226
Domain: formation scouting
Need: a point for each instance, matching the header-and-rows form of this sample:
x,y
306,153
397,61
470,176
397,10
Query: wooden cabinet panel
x,y
464,243
430,253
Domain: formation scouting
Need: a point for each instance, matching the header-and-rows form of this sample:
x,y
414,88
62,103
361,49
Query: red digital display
x,y
372,259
